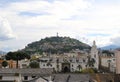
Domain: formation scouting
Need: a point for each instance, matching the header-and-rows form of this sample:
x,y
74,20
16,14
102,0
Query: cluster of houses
x,y
67,62
75,61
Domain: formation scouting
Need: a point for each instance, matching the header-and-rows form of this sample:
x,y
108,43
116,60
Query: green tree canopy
x,y
88,70
34,64
16,56
4,64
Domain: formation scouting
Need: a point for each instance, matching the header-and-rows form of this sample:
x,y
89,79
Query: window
x,y
24,66
113,59
57,66
77,60
72,65
25,77
50,60
72,69
51,65
108,61
33,76
43,64
0,77
84,60
70,60
95,56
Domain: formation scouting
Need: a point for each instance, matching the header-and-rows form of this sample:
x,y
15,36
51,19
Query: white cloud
x,y
57,8
75,18
116,39
5,30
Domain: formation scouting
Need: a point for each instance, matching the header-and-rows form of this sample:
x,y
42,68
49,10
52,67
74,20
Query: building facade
x,y
64,64
71,62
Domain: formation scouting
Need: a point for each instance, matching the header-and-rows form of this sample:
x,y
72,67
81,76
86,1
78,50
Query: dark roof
x,y
43,71
79,78
71,77
116,77
107,77
7,81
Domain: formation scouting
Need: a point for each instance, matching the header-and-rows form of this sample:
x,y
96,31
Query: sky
x,y
26,21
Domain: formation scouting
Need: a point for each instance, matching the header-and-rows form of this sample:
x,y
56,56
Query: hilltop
x,y
55,45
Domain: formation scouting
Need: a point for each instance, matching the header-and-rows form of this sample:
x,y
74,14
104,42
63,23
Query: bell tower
x,y
94,55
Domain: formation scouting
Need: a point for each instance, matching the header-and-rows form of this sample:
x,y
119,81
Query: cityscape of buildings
x,y
66,67
60,59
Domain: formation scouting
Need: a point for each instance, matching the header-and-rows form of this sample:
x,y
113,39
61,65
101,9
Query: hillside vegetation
x,y
55,45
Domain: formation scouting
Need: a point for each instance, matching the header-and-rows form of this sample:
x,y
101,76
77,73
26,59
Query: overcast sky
x,y
26,21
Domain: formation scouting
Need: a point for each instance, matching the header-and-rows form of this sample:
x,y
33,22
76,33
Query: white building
x,y
63,63
105,61
24,63
71,62
109,62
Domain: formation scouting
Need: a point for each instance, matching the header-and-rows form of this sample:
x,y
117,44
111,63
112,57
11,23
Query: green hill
x,y
55,45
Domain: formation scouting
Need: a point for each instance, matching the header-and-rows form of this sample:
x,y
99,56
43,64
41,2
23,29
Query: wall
x,y
117,54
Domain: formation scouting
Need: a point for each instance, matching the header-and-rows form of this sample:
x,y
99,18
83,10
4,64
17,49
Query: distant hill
x,y
110,47
55,45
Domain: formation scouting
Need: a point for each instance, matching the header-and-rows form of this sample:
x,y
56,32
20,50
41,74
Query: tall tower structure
x,y
57,34
94,55
117,56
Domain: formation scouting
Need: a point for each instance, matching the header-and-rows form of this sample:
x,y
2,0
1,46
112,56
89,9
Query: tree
x,y
17,56
4,64
88,70
34,64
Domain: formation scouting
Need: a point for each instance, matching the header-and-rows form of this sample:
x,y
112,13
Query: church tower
x,y
94,55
